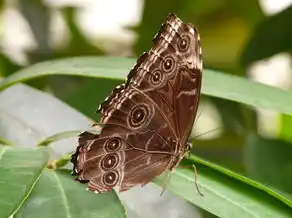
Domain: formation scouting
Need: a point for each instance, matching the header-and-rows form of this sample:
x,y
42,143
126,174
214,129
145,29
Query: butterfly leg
x,y
196,176
166,182
196,180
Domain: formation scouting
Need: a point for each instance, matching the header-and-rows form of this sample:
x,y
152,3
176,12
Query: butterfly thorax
x,y
179,153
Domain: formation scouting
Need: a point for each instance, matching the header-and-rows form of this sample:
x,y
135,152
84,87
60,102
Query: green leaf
x,y
214,83
57,195
65,158
98,67
247,92
60,162
58,136
20,169
269,161
271,37
285,127
5,142
95,91
40,116
226,194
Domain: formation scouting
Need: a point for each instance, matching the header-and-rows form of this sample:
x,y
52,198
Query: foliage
x,y
38,130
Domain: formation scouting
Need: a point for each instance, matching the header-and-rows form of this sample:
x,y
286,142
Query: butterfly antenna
x,y
205,133
196,180
199,113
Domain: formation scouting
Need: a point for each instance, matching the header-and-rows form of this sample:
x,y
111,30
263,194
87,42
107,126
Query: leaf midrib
x,y
3,151
63,195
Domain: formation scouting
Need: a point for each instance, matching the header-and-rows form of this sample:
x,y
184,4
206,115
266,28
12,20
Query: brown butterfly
x,y
146,121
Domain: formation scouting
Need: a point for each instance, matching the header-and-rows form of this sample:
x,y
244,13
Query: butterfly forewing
x,y
147,120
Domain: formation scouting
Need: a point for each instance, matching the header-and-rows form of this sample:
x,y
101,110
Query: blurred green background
x,y
247,38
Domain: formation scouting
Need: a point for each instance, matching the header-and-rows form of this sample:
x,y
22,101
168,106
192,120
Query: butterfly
x,y
146,122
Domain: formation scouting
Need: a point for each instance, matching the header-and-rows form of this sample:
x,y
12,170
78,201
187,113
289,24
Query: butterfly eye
x,y
156,77
184,43
138,116
168,65
110,178
110,161
113,144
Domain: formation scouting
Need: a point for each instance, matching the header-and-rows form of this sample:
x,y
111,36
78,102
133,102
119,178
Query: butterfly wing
x,y
171,75
145,119
129,149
